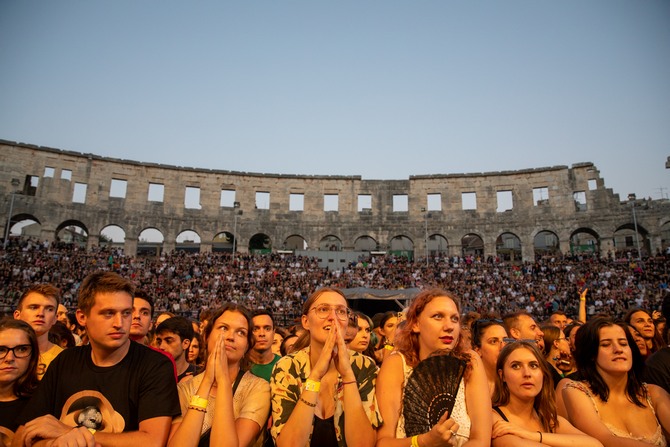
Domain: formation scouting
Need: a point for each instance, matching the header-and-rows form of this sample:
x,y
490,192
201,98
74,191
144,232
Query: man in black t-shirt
x,y
113,391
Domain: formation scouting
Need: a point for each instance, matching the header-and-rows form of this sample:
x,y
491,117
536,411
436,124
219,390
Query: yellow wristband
x,y
389,347
415,441
92,430
312,385
199,402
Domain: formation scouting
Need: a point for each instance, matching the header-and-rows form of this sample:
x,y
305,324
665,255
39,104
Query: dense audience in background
x,y
526,335
186,283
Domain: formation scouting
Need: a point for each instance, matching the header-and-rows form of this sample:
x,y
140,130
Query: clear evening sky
x,y
381,89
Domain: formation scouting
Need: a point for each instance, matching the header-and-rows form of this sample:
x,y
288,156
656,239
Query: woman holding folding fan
x,y
433,324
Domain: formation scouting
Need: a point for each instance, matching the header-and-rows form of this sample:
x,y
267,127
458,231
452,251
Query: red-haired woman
x,y
433,324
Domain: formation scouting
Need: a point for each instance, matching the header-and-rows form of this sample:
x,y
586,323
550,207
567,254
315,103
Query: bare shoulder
x,y
391,369
657,393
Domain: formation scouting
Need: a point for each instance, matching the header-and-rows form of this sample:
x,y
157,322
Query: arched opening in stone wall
x,y
150,242
584,240
223,242
72,233
508,247
188,241
260,244
665,237
365,243
295,242
330,243
546,243
402,246
625,241
472,245
24,226
112,236
438,245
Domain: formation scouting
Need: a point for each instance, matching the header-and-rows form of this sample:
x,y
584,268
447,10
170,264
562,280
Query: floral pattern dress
x,y
292,371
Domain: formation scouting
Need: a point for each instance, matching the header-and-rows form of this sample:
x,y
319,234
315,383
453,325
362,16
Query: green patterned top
x,y
292,371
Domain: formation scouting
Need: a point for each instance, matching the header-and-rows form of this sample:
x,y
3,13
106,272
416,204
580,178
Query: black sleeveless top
x,y
323,433
500,412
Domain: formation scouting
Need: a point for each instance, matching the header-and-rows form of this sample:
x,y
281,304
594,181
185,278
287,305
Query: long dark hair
x,y
231,307
587,344
656,341
479,326
545,401
25,385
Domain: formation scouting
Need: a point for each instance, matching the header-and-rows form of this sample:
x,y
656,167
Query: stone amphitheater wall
x,y
56,172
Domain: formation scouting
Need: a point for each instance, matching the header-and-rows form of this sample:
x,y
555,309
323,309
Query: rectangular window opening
x,y
434,202
580,200
118,188
541,196
364,202
400,203
66,174
227,198
192,198
79,194
262,200
49,172
593,184
156,192
469,200
296,202
330,202
505,201
30,185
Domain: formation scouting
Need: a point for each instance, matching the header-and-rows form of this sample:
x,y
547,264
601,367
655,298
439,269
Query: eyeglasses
x,y
324,310
19,351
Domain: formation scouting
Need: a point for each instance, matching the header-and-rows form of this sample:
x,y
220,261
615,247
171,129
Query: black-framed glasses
x,y
19,351
324,310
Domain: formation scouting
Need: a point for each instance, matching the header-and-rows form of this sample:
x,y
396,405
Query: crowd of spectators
x,y
188,283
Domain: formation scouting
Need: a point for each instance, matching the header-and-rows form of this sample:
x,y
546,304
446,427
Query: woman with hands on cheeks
x,y
433,324
225,404
324,395
525,403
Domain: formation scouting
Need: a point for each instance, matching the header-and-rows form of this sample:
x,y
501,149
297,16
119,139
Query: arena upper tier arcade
x,y
70,196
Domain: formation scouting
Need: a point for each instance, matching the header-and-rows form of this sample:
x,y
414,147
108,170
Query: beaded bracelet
x,y
193,407
309,404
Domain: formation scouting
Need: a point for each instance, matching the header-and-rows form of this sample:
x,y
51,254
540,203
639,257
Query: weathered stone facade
x,y
552,207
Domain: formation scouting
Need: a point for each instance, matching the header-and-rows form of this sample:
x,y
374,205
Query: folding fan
x,y
430,391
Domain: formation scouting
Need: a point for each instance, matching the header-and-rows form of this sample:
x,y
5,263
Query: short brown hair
x,y
43,289
101,282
